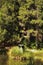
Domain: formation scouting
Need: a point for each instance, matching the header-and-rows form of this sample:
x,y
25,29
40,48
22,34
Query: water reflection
x,y
31,61
38,62
15,62
3,59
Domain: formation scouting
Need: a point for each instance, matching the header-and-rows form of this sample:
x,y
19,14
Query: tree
x,y
19,19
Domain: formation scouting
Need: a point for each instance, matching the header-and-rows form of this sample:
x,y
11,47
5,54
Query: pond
x,y
4,60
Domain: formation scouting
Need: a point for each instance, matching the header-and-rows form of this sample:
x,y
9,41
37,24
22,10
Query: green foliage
x,y
23,15
16,51
2,34
21,19
39,22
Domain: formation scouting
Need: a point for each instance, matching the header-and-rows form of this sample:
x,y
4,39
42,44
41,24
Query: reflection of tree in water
x,y
35,62
3,59
38,62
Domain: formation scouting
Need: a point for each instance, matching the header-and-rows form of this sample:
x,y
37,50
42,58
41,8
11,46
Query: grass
x,y
36,54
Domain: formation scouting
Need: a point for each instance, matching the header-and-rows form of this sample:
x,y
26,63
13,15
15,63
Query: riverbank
x,y
33,53
27,57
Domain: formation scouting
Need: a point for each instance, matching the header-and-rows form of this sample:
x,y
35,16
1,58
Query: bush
x,y
16,51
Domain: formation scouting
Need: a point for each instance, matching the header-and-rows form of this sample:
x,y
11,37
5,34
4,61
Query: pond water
x,y
4,60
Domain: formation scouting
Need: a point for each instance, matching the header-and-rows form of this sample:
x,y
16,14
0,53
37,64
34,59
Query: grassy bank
x,y
33,53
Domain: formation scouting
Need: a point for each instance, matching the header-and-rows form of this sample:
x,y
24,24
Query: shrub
x,y
16,51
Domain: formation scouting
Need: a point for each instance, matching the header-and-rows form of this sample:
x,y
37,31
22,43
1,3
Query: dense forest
x,y
21,22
